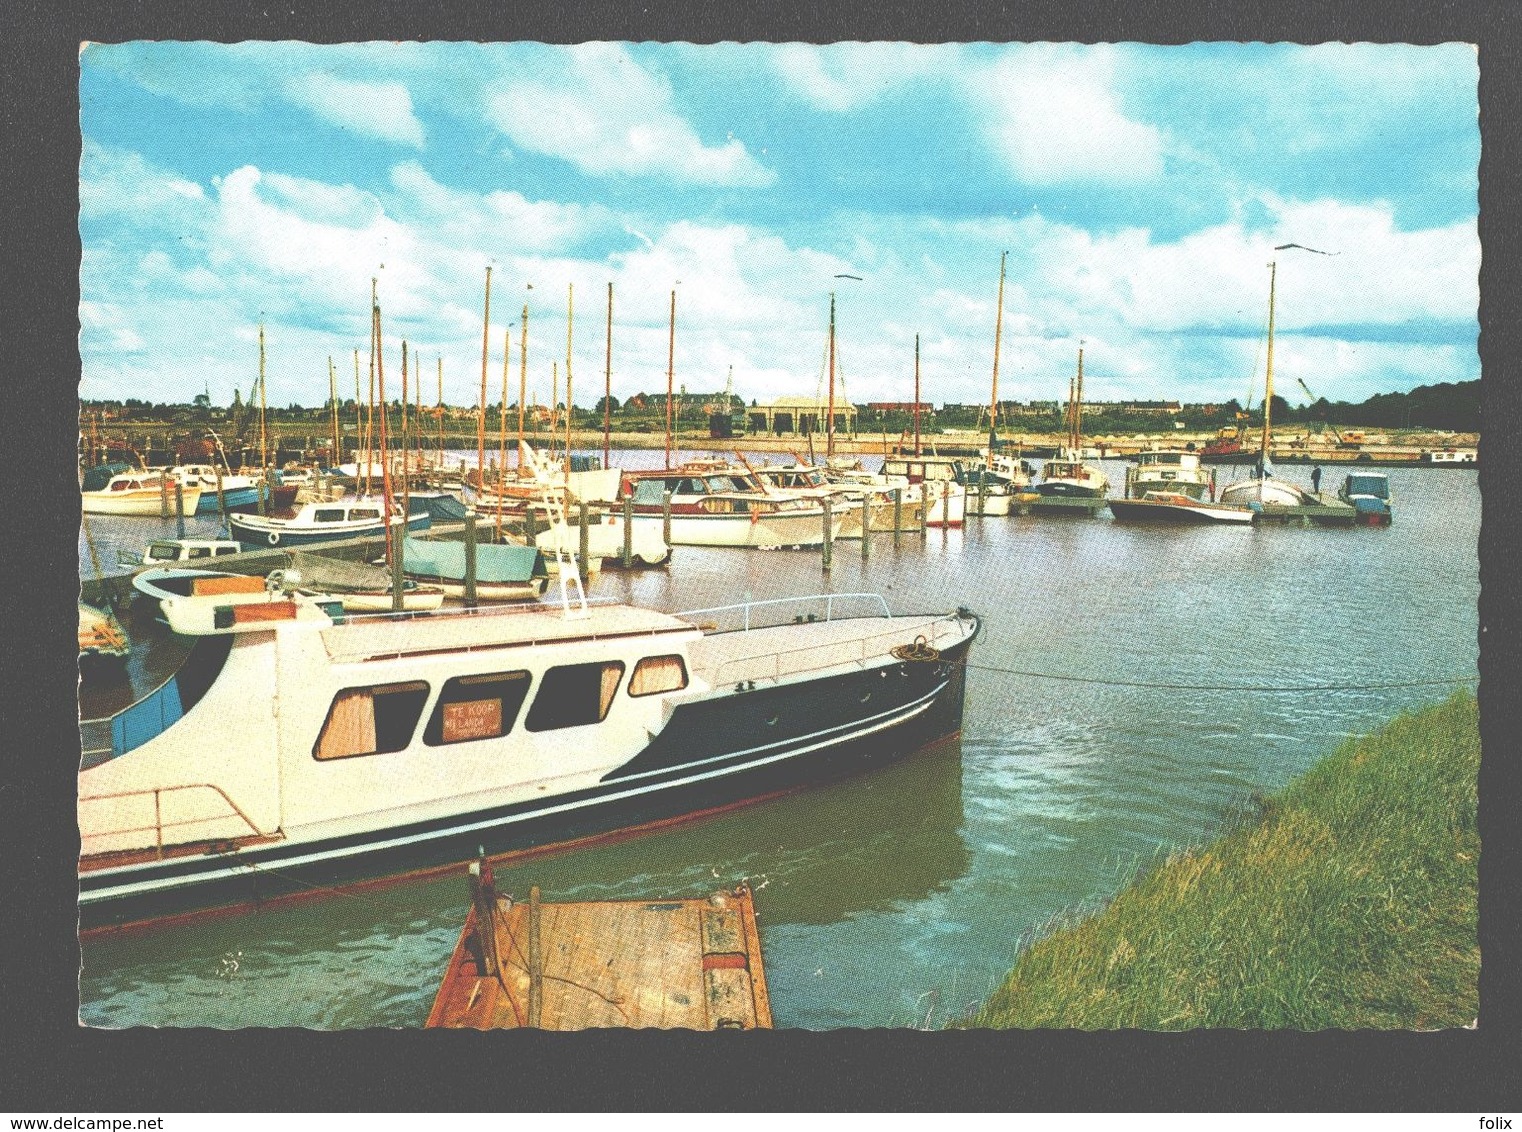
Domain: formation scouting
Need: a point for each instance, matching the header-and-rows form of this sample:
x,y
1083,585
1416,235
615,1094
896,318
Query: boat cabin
x,y
180,550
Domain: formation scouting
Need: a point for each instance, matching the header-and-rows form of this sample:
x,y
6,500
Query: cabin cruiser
x,y
301,748
713,504
1369,494
1168,470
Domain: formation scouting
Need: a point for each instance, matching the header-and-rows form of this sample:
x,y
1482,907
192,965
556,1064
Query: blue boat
x,y
504,572
1369,494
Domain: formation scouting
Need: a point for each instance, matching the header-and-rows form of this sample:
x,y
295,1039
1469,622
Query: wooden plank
x,y
692,964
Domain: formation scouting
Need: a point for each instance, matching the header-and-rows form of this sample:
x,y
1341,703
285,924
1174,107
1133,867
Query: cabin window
x,y
329,515
649,491
364,513
658,674
476,707
199,552
574,695
371,721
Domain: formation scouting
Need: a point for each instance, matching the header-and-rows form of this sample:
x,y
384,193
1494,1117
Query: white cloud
x,y
841,77
1052,113
607,115
499,217
380,110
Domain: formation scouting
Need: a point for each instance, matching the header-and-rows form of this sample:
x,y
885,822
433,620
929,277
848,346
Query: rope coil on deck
x,y
920,650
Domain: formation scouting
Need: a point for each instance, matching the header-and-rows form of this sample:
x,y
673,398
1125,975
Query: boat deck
x,y
1032,503
1329,512
648,964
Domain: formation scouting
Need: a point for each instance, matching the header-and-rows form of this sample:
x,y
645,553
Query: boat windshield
x,y
162,552
728,483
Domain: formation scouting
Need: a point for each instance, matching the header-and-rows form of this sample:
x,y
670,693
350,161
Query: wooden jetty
x,y
659,964
1329,512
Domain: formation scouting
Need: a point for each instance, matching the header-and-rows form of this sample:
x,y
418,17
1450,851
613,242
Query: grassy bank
x,y
1349,903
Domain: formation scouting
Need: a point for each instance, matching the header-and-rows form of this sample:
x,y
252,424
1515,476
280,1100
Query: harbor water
x,y
1107,722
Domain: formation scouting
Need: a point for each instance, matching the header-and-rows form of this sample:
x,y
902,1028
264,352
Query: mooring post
x,y
398,578
531,524
583,555
866,528
164,494
221,495
982,493
470,558
666,516
827,547
483,898
628,531
924,509
898,513
179,509
535,967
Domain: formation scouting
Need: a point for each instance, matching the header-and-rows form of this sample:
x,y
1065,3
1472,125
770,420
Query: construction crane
x,y
1327,421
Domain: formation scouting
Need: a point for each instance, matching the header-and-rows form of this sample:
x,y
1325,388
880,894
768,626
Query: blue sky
x,y
1138,190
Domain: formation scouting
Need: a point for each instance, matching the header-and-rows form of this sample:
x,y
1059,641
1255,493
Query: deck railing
x,y
744,608
831,654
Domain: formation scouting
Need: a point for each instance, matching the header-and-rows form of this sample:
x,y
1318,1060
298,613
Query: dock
x,y
656,964
1329,512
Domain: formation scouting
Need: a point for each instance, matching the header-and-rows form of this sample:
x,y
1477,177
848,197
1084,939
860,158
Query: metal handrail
x,y
747,606
866,650
159,825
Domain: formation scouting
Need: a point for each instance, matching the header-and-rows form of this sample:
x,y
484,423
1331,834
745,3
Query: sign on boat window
x,y
371,721
658,674
476,707
573,695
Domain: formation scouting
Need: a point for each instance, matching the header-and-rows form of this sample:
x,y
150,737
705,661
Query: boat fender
x,y
920,650
274,538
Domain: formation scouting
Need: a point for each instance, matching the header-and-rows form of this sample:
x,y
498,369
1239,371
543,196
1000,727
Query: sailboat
x,y
991,488
1262,488
1066,475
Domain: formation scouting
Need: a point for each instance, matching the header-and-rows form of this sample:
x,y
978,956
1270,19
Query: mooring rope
x,y
1285,689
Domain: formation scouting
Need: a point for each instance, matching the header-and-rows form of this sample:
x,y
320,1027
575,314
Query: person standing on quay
x,y
1316,479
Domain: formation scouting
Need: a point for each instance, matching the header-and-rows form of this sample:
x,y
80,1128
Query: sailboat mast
x,y
507,351
359,418
481,412
380,377
263,434
607,392
829,428
993,397
569,296
1078,409
522,379
440,412
670,375
406,438
1268,391
333,405
916,394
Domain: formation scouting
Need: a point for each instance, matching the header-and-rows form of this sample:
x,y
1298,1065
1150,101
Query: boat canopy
x,y
494,562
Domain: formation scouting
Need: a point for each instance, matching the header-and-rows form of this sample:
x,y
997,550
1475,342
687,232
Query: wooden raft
x,y
663,964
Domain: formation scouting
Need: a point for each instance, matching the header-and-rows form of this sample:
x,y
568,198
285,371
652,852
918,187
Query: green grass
x,y
1350,902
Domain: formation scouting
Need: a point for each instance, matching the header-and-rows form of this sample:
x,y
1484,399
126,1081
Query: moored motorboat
x,y
1369,494
161,550
218,493
1168,470
141,493
321,522
366,746
714,504
1176,507
1066,476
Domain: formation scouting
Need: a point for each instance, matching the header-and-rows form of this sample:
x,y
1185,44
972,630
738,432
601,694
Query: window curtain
x,y
351,726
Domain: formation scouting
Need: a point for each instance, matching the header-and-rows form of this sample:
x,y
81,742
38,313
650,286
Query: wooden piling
x,y
898,513
666,515
535,963
628,531
866,528
583,556
483,898
827,547
470,558
179,509
398,577
163,495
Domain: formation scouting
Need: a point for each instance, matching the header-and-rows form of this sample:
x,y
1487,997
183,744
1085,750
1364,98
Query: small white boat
x,y
1176,507
162,550
140,493
935,477
714,504
237,491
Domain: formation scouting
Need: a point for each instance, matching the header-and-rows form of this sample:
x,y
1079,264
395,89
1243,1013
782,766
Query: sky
x,y
1136,194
